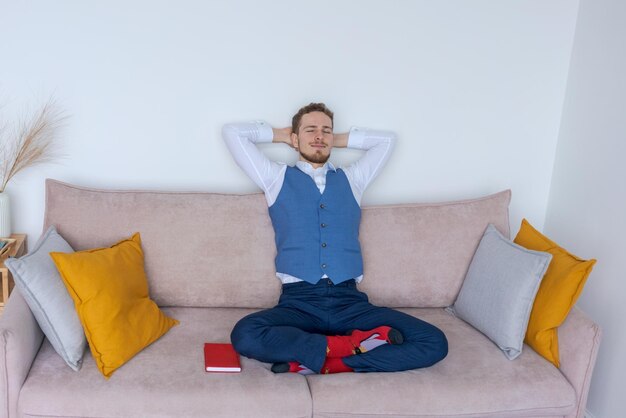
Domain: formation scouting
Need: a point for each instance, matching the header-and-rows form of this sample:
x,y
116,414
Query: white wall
x,y
473,89
587,205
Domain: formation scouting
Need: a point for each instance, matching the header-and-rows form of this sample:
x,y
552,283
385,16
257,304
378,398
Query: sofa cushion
x,y
558,292
166,379
415,255
499,290
39,281
474,380
110,291
190,240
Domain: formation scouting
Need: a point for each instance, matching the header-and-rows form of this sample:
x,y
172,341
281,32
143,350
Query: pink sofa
x,y
199,247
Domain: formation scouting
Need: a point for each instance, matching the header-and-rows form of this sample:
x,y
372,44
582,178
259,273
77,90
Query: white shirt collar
x,y
308,168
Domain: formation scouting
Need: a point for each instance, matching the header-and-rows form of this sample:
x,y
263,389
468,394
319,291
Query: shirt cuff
x,y
264,130
356,137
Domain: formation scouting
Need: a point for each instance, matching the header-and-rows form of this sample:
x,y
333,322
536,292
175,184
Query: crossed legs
x,y
296,330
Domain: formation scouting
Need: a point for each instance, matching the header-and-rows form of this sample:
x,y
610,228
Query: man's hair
x,y
311,107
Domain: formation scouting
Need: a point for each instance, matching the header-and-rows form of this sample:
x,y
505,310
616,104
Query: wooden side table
x,y
18,249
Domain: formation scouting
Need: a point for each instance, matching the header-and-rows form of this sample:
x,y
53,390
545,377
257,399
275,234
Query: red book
x,y
220,357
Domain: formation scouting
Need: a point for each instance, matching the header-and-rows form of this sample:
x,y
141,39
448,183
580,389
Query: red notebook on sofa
x,y
221,357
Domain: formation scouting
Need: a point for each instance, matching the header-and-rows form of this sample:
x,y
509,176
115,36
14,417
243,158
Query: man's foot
x,y
331,365
376,340
291,367
334,365
361,341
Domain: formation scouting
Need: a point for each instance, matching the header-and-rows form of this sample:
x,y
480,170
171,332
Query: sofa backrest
x,y
217,250
417,255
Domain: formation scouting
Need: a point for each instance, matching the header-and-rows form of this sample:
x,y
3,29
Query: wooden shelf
x,y
18,249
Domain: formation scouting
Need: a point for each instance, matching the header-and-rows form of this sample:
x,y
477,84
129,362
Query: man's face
x,y
314,138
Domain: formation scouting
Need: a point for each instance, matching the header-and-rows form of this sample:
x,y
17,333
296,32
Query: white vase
x,y
5,215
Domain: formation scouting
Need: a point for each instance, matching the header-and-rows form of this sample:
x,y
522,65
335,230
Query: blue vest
x,y
315,233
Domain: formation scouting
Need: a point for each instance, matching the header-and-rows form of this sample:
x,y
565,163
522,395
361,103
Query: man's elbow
x,y
392,138
229,132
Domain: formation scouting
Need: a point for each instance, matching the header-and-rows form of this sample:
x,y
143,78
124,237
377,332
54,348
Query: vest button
x,y
323,225
323,244
323,266
322,206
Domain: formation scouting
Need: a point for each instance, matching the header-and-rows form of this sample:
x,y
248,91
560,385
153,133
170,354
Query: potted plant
x,y
29,143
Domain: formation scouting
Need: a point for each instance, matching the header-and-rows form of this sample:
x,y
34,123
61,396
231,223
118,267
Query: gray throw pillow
x,y
38,279
499,290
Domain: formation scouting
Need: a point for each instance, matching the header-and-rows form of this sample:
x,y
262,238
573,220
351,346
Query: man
x,y
323,323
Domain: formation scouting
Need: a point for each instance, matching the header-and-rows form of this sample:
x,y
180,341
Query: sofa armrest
x,y
20,340
579,340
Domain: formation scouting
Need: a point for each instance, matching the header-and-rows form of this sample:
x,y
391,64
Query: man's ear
x,y
294,140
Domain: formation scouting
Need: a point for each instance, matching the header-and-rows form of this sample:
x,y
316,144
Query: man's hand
x,y
341,140
282,135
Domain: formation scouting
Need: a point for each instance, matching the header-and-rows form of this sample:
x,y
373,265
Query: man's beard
x,y
316,157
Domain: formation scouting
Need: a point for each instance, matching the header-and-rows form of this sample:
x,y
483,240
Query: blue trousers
x,y
296,330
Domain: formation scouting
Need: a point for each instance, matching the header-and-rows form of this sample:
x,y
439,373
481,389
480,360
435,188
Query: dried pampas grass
x,y
31,142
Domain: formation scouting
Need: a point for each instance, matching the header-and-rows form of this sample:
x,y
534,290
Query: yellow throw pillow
x,y
558,292
110,292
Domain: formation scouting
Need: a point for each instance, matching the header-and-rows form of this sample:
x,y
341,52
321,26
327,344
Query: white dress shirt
x,y
241,140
